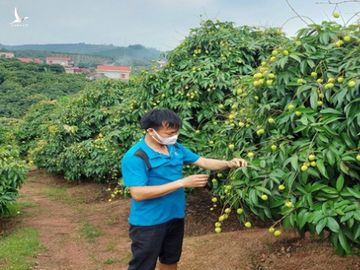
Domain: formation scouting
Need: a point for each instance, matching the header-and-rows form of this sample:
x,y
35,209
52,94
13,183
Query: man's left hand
x,y
237,162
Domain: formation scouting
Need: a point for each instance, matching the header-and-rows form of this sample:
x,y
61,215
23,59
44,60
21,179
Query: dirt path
x,y
81,230
60,218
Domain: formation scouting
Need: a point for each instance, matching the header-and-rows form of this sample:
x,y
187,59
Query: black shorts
x,y
163,241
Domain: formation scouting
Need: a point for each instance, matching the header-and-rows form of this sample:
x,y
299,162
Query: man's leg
x,y
167,266
145,246
172,245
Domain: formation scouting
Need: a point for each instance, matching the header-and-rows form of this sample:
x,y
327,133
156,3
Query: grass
x,y
111,261
126,259
17,207
18,249
90,232
110,246
56,193
112,220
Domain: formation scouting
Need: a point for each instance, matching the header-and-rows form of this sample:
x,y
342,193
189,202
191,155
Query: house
x,y
38,60
59,60
76,70
7,55
30,60
96,76
114,72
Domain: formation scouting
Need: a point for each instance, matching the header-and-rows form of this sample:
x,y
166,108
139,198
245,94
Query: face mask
x,y
165,141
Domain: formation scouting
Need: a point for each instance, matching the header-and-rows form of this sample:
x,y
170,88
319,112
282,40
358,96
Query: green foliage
x,y
205,68
316,137
35,123
7,127
12,168
85,137
88,135
22,85
12,174
233,85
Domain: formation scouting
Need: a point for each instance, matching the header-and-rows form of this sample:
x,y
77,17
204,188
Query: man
x,y
152,169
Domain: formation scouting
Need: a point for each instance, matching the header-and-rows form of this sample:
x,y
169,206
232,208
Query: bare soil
x,y
60,210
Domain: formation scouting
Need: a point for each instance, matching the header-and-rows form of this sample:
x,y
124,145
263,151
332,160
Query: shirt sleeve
x,y
189,156
134,171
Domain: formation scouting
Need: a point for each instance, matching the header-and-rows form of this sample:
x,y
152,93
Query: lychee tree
x,y
12,168
297,120
202,71
83,137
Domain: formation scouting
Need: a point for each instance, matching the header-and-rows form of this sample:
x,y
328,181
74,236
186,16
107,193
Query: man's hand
x,y
196,180
237,162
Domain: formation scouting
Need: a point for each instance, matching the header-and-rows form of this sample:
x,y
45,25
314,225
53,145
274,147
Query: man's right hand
x,y
195,180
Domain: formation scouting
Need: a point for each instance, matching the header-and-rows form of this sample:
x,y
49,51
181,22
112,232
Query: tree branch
x,y
329,2
297,14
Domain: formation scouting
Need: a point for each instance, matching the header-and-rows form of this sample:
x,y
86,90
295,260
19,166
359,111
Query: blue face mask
x,y
165,140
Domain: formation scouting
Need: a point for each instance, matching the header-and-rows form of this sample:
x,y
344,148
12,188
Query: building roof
x,y
38,60
25,59
113,68
29,60
62,58
77,69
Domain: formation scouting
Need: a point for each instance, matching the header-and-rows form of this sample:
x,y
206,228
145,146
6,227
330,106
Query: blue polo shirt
x,y
164,169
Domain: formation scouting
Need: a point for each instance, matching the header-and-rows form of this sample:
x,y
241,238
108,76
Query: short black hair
x,y
157,118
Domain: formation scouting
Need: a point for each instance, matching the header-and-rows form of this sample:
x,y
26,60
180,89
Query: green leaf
x,y
262,164
321,167
313,98
304,120
357,232
330,111
309,200
340,183
321,225
294,162
303,67
353,192
330,156
282,62
310,63
253,197
332,224
267,213
348,158
323,138
276,203
302,218
347,216
344,242
343,167
295,57
264,190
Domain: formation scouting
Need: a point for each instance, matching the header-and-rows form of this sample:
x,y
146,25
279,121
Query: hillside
x,y
90,54
22,85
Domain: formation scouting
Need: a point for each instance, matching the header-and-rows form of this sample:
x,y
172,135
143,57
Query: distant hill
x,y
134,55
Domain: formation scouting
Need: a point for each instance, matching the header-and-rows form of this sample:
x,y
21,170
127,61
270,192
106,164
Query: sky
x,y
160,24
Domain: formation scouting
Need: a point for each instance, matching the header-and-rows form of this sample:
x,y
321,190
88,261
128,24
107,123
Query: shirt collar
x,y
151,152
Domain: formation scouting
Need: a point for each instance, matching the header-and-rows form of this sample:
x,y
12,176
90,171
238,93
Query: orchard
x,y
291,107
